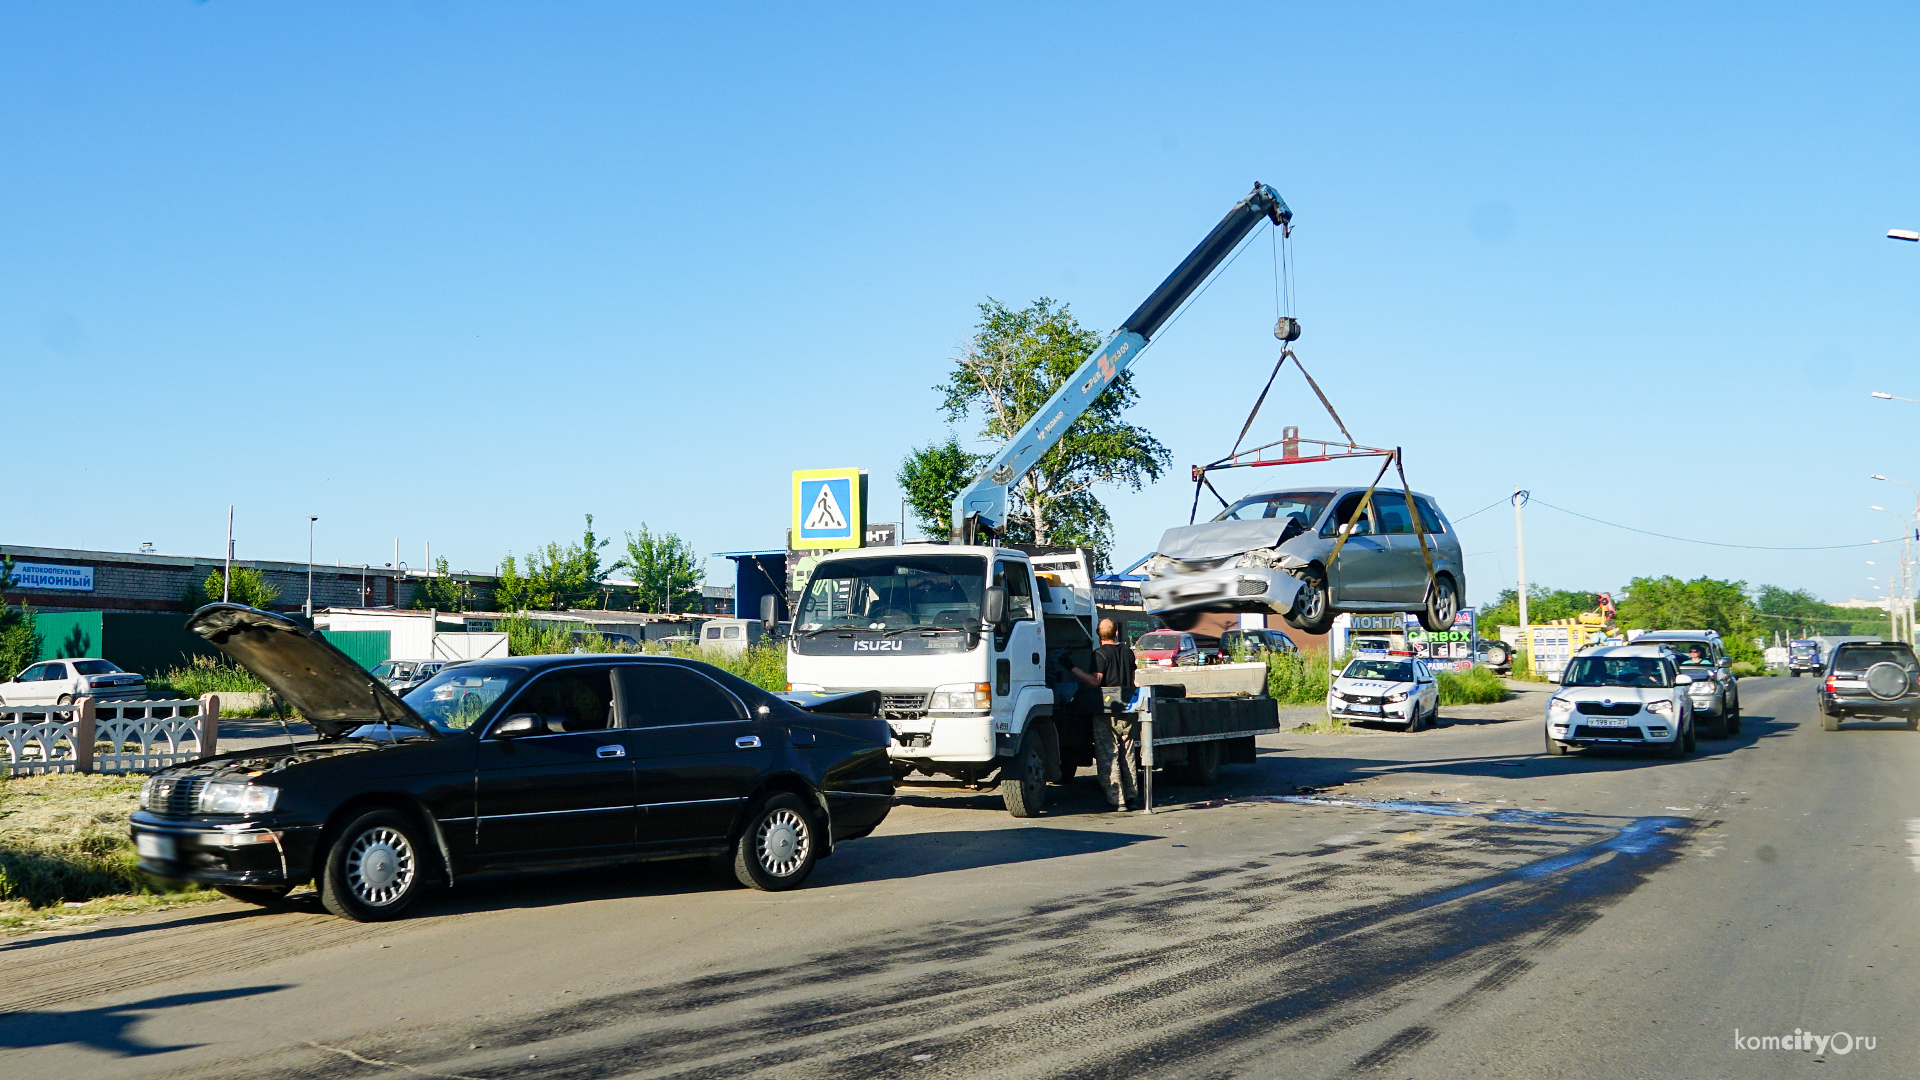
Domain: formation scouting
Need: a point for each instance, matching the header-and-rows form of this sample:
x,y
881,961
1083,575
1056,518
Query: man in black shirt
x,y
1113,731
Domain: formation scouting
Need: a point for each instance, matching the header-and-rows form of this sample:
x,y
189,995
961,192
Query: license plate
x,y
1604,721
1197,590
1363,708
155,846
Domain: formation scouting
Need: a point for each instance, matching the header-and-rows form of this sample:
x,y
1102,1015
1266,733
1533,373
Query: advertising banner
x,y
51,577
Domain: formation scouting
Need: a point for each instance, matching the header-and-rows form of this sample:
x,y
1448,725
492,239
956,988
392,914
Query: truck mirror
x,y
769,607
993,606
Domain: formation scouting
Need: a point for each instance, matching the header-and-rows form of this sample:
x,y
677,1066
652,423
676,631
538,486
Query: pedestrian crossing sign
x,y
829,508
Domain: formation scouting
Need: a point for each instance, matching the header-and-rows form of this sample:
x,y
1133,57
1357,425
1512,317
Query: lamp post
x,y
1907,538
311,518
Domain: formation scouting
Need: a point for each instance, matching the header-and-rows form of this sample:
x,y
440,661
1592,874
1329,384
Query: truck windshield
x,y
894,592
1643,671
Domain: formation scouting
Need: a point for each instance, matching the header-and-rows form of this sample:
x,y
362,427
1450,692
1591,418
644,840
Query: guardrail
x,y
107,736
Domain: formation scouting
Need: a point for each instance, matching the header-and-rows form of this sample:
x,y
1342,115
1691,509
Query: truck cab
x,y
963,642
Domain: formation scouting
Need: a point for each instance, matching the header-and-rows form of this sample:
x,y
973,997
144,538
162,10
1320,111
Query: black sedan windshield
x,y
459,697
1644,671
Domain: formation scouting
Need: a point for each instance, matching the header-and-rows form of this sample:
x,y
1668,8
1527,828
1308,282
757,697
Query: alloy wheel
x,y
782,842
380,866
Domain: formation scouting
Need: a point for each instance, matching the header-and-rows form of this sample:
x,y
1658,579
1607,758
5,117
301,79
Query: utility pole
x,y
311,518
1520,558
226,577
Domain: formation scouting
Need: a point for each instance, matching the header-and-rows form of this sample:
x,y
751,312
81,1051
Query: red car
x,y
1174,648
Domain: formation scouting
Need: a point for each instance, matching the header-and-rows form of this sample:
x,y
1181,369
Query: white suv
x,y
1622,695
60,682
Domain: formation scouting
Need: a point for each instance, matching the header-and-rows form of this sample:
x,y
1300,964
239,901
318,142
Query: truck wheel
x,y
777,848
1443,603
1313,609
1829,722
253,894
1795,674
1023,783
375,868
1203,763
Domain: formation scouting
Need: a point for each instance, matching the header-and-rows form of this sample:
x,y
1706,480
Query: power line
x,y
1484,509
1708,543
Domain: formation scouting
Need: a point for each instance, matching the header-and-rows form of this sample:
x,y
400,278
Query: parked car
x,y
1803,656
1395,688
1257,642
403,675
1715,693
1274,552
62,682
500,764
1168,648
1622,695
1877,680
1496,656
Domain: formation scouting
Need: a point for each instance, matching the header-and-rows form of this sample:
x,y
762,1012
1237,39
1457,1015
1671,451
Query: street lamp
x,y
1908,535
311,518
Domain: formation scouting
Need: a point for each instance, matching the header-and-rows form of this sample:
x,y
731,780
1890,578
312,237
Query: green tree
x,y
249,587
931,476
1798,613
665,569
440,592
1544,605
19,638
556,578
1667,603
1014,361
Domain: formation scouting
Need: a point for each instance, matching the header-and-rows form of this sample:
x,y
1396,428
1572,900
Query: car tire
x,y
1313,608
254,894
778,845
64,699
1913,721
1829,722
1556,748
1023,782
1690,738
1180,620
374,869
1443,603
1718,729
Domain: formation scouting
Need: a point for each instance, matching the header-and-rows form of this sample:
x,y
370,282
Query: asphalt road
x,y
1439,905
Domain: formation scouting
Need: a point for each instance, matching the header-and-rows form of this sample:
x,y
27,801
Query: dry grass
x,y
64,853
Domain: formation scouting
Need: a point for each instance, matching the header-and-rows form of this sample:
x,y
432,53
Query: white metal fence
x,y
107,736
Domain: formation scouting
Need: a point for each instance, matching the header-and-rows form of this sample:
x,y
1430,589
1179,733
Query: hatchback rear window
x,y
1159,641
1850,659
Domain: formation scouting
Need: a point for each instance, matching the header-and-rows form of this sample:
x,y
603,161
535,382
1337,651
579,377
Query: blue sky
x,y
459,274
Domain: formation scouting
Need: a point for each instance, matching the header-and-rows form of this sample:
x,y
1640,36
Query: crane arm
x,y
981,508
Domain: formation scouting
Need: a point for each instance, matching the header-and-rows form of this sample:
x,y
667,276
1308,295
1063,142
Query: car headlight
x,y
1701,688
1158,565
1560,705
1401,696
237,798
1661,707
146,792
961,697
1336,695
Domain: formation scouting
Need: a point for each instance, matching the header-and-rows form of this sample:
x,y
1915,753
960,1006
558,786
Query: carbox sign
x,y
828,508
46,577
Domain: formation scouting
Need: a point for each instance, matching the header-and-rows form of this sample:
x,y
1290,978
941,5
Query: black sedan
x,y
520,763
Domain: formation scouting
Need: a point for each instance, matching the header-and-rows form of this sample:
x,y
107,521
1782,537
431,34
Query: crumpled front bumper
x,y
1251,589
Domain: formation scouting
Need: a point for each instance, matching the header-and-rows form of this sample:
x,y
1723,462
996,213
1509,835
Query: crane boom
x,y
981,508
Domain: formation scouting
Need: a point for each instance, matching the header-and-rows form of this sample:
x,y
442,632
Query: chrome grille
x,y
177,798
894,706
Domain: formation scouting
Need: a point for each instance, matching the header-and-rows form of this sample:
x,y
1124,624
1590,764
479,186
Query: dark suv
x,y
521,762
1879,680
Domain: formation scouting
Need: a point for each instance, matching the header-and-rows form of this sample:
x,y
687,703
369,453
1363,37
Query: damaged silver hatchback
x,y
1274,552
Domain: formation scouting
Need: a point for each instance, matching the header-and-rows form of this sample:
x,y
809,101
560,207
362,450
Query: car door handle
x,y
612,751
747,742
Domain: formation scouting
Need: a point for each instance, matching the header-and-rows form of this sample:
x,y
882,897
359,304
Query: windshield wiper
x,y
828,630
911,629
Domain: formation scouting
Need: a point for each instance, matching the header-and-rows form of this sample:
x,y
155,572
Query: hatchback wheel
x,y
1313,608
1443,603
375,869
778,846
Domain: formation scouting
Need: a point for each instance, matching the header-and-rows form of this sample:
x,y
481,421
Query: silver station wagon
x,y
1274,552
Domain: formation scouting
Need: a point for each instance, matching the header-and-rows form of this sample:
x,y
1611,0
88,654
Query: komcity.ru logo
x,y
1839,1042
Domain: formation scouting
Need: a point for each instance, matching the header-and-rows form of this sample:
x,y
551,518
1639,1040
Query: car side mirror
x,y
769,607
518,726
1684,680
1726,663
1346,530
993,606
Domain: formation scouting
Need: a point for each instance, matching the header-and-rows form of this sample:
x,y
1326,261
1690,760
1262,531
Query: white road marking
x,y
1913,843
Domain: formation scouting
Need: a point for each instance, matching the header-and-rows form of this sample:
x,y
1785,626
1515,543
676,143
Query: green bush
x,y
764,667
1478,686
1743,669
206,675
1299,678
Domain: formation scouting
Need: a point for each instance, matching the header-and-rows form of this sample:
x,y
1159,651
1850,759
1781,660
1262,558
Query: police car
x,y
1394,687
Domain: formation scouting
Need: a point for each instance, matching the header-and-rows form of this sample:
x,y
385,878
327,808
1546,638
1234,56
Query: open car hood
x,y
1218,539
308,672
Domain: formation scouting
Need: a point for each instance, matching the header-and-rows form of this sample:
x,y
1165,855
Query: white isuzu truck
x,y
965,641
